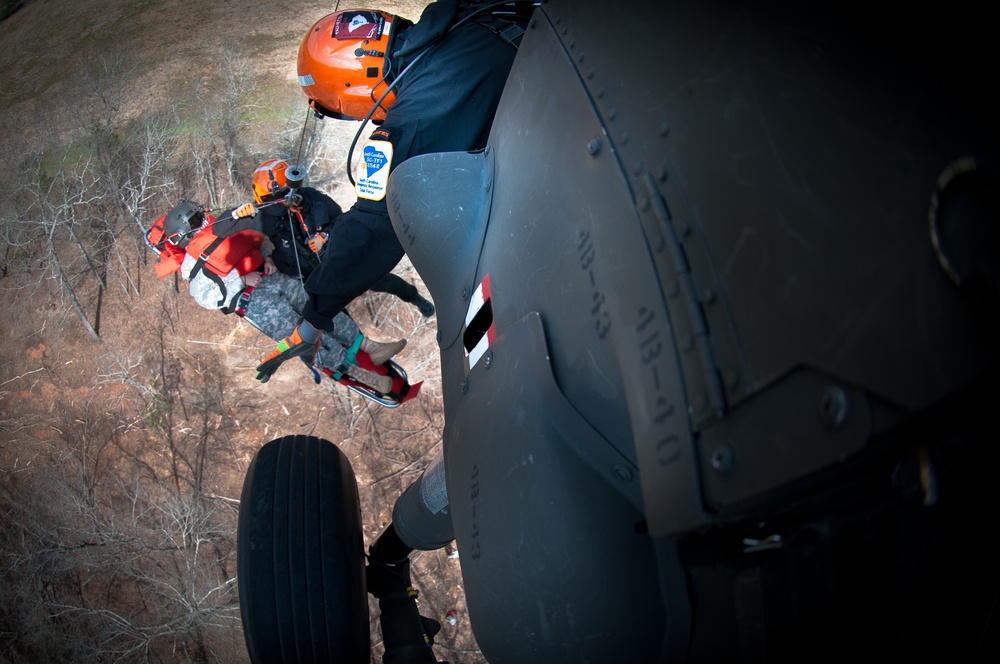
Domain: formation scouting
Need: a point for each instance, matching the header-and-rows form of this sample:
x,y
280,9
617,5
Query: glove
x,y
289,347
245,210
316,242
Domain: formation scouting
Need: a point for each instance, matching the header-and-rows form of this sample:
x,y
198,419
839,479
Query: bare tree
x,y
216,147
120,556
51,193
239,100
149,187
131,158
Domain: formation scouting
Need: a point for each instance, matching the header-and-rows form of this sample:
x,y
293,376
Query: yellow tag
x,y
373,170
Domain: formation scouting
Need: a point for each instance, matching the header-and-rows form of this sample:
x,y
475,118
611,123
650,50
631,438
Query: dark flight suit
x,y
319,211
446,103
287,235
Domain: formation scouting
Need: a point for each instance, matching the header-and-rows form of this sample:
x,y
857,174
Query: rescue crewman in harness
x,y
298,224
456,59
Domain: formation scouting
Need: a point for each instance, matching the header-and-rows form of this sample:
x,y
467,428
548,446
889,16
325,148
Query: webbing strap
x,y
507,30
200,266
243,301
352,352
222,289
512,34
205,254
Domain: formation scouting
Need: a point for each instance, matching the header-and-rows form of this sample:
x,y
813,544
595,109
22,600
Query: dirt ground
x,y
49,363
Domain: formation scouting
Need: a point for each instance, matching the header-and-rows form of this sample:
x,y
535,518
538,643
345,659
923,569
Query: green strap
x,y
352,352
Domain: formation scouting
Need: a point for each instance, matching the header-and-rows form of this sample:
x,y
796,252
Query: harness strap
x,y
507,30
302,221
242,301
204,255
352,352
200,266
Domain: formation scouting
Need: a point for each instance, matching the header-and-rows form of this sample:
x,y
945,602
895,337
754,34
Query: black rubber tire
x,y
300,556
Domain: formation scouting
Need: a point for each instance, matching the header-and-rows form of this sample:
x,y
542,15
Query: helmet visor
x,y
277,193
182,222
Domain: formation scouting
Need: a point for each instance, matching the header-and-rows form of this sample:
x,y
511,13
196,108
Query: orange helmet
x,y
270,181
342,63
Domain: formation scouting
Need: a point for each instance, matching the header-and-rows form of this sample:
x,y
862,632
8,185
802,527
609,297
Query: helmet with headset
x,y
342,63
270,181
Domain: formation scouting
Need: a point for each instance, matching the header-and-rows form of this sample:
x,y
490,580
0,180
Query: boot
x,y
380,352
381,384
423,305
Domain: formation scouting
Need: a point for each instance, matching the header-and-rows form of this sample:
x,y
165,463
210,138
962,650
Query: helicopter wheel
x,y
300,548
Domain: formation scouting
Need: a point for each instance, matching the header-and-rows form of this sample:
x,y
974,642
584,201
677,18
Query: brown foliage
x,y
122,459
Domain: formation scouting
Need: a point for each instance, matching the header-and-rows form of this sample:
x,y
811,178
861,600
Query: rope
x,y
295,247
302,135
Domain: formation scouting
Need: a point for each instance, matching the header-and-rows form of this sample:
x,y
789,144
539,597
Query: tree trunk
x,y
64,280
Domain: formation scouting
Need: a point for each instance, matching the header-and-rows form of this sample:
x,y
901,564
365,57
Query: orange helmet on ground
x,y
270,181
342,63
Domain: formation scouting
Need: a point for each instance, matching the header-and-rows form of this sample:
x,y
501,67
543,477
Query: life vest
x,y
210,290
218,255
221,255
